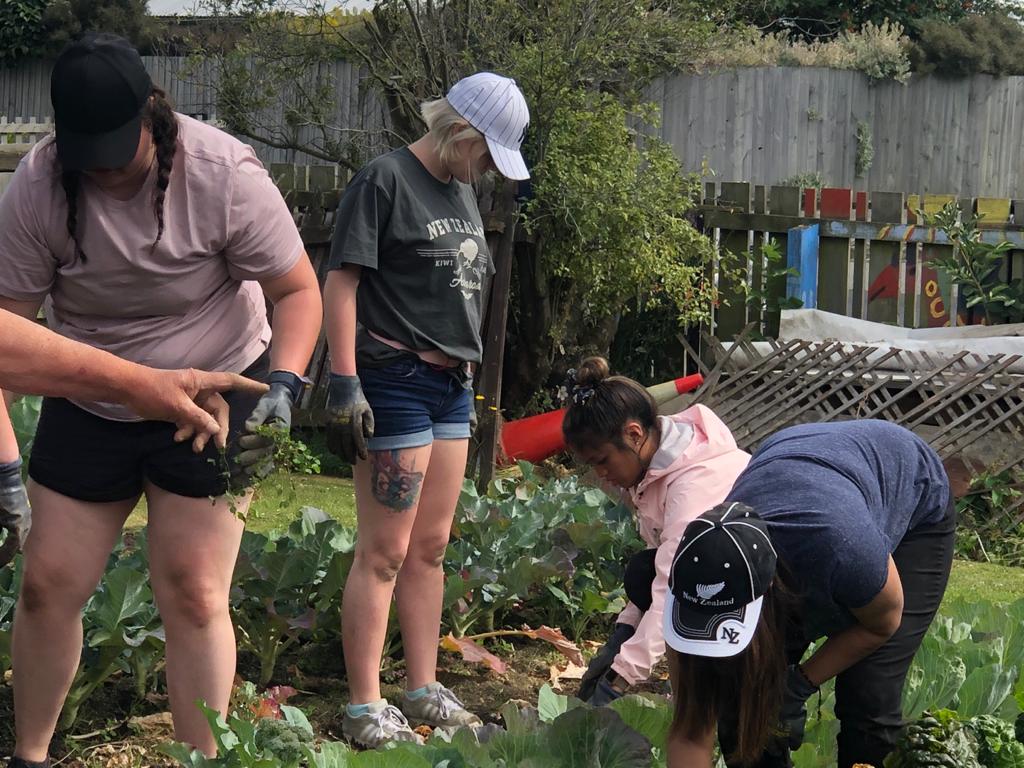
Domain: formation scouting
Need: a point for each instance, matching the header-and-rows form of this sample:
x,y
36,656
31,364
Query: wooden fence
x,y
874,254
765,124
17,138
191,86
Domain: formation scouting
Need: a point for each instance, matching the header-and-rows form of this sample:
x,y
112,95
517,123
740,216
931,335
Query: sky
x,y
166,7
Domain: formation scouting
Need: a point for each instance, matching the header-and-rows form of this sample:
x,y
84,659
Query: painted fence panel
x,y
874,258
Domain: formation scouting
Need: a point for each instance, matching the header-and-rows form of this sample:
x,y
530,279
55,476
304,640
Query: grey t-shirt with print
x,y
426,264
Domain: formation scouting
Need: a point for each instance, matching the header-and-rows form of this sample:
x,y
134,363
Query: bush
x,y
986,44
21,32
879,51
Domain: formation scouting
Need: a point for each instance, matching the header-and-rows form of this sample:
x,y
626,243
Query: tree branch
x,y
428,61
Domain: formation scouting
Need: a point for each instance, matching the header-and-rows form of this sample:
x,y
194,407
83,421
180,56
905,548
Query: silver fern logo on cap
x,y
707,591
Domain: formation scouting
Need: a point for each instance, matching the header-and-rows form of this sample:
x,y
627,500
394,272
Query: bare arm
x,y
9,450
8,443
876,623
340,303
39,361
298,312
682,752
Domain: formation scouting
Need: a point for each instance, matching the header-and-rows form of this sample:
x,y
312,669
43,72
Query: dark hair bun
x,y
592,372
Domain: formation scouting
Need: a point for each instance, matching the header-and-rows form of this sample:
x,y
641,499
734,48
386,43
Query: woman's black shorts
x,y
89,458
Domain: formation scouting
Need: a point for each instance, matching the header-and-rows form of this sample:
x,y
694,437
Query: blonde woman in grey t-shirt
x,y
410,268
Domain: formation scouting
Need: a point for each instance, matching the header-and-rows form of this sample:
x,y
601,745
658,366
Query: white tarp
x,y
940,343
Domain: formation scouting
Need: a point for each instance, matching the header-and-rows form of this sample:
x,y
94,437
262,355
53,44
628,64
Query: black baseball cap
x,y
723,566
98,89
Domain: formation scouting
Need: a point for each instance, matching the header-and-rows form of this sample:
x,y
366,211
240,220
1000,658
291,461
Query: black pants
x,y
869,694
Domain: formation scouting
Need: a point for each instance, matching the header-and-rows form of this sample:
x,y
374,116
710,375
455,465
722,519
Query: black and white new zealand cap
x,y
494,106
724,564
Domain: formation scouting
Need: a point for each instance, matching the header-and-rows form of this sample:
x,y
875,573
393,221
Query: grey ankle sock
x,y
17,762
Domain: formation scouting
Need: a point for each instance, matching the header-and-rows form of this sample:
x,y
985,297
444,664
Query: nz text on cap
x,y
723,566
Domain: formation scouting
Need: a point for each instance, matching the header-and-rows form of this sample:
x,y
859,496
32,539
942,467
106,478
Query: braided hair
x,y
600,405
158,116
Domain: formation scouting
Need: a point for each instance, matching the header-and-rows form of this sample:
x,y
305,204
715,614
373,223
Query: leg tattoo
x,y
394,486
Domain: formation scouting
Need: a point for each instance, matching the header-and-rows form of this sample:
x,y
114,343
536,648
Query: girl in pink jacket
x,y
674,468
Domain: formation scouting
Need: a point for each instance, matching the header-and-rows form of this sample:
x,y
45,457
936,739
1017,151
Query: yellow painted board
x,y
934,203
994,210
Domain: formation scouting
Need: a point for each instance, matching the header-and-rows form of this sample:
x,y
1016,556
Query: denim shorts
x,y
415,403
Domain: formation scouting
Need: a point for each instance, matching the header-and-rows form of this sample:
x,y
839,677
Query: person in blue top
x,y
843,531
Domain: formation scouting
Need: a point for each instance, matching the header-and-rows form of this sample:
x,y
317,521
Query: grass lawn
x,y
280,498
983,581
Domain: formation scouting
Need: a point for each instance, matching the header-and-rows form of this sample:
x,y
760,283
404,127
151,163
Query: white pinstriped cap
x,y
494,106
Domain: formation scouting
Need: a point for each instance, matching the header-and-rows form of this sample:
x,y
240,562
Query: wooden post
x,y
500,228
802,254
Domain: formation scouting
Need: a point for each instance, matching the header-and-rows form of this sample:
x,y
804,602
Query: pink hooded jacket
x,y
693,469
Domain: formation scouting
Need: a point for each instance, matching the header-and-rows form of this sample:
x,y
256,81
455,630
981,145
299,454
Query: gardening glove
x,y
15,514
349,418
473,418
602,661
793,715
604,693
274,409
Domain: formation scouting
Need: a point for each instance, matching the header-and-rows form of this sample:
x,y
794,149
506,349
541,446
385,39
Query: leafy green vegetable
x,y
998,743
536,551
941,741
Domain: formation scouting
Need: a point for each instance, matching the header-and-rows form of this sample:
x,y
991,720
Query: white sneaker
x,y
380,724
438,708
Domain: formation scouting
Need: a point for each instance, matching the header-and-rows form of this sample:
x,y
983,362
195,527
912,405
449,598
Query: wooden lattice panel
x,y
952,403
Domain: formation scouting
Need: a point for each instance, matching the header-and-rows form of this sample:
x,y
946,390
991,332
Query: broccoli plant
x,y
242,743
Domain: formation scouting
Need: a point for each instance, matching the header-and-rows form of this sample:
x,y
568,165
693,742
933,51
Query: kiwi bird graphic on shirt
x,y
467,264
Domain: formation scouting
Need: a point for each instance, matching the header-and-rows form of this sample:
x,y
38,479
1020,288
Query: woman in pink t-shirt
x,y
154,237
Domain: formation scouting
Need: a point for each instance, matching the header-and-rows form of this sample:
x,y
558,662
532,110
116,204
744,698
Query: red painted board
x,y
861,205
836,203
809,201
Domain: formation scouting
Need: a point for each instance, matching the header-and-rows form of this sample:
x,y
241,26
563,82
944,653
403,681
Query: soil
x,y
115,730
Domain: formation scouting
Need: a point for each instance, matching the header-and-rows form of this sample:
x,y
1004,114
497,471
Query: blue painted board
x,y
802,254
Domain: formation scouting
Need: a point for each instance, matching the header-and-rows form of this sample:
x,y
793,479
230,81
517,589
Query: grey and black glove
x,y
15,514
602,661
604,692
349,418
274,409
793,715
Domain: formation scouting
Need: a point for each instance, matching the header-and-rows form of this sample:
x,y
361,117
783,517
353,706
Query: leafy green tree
x,y
41,28
817,18
606,208
21,32
990,43
64,20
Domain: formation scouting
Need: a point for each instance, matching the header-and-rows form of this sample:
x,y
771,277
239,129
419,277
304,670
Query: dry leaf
x,y
473,652
423,730
159,724
569,672
564,645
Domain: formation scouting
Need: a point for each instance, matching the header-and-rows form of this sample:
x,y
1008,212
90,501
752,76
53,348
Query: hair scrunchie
x,y
579,394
